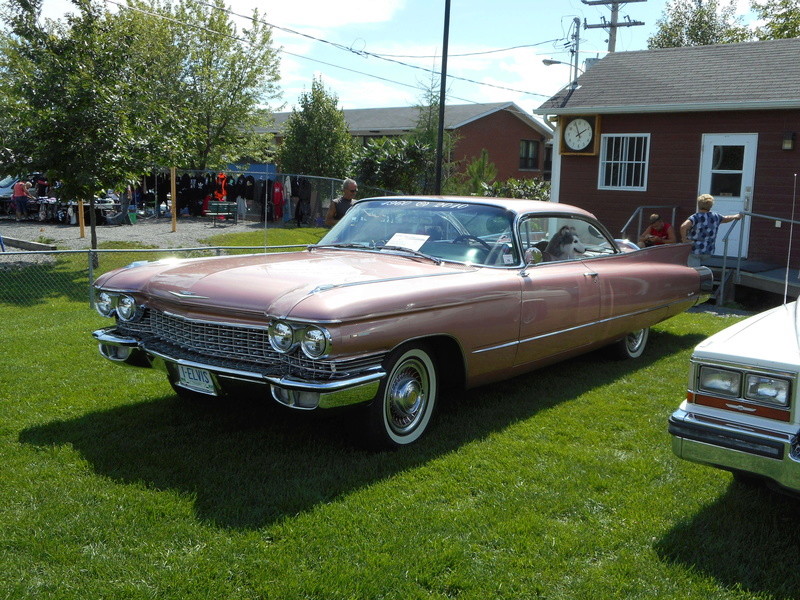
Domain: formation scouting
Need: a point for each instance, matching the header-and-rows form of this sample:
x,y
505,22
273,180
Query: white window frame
x,y
624,165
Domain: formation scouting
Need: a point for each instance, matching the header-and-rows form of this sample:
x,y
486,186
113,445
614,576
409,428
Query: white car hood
x,y
768,339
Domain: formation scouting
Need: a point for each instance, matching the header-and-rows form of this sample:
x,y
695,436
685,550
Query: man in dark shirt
x,y
341,205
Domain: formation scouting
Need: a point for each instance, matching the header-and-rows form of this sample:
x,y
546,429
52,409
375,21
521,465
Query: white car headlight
x,y
281,337
104,304
316,342
720,381
763,388
127,309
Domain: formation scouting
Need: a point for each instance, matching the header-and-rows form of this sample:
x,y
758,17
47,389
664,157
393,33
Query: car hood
x,y
313,285
768,339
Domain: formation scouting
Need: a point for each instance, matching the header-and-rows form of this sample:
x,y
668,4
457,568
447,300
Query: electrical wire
x,y
288,53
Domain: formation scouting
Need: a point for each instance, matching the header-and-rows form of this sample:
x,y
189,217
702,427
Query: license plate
x,y
195,379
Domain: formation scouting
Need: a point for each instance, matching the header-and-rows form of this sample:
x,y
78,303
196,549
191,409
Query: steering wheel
x,y
474,238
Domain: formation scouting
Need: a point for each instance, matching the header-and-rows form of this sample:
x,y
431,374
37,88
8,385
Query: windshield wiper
x,y
435,260
349,245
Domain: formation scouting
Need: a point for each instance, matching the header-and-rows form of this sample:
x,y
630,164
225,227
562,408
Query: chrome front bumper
x,y
726,445
293,392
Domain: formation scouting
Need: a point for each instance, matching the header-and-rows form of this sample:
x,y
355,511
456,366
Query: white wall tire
x,y
402,410
633,344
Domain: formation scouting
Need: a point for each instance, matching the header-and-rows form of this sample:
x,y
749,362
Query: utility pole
x,y
611,26
442,97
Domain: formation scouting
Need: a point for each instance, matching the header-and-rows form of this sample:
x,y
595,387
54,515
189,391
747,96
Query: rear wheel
x,y
402,410
633,344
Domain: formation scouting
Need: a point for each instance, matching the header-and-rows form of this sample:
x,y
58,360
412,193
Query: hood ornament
x,y
188,294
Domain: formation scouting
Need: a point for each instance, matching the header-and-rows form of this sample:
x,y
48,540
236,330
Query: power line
x,y
378,56
339,46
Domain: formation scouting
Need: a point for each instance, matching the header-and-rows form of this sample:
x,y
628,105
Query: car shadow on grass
x,y
745,541
248,464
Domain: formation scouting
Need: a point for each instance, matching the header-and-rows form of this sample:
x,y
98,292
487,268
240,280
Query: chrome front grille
x,y
240,342
234,346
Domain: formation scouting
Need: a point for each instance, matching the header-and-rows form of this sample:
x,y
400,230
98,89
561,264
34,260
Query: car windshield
x,y
7,181
453,231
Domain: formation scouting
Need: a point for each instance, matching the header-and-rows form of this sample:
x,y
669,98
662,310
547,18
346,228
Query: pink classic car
x,y
404,297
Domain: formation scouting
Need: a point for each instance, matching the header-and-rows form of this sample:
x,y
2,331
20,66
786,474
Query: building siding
x,y
674,171
500,134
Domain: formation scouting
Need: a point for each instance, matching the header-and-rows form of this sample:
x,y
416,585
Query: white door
x,y
727,172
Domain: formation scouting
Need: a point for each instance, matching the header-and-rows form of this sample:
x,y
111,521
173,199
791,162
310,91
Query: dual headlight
x,y
314,341
757,387
123,305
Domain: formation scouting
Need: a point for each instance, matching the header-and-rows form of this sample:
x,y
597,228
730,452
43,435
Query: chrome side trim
x,y
576,328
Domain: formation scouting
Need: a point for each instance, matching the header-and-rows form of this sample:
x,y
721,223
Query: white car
x,y
740,411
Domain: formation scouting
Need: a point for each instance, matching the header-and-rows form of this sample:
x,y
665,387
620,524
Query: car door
x,y
560,302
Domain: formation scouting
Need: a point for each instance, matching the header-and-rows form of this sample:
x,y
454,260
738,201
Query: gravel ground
x,y
151,231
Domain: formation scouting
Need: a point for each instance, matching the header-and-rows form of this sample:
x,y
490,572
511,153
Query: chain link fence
x,y
39,278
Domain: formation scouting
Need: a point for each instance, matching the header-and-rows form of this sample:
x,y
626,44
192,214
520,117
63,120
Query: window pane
x,y
728,158
726,184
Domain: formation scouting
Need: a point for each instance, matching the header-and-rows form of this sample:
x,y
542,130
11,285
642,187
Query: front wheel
x,y
402,410
633,344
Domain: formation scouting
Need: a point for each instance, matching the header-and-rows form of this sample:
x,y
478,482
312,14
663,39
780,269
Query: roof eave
x,y
671,108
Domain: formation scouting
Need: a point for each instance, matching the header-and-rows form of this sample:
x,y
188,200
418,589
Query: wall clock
x,y
579,135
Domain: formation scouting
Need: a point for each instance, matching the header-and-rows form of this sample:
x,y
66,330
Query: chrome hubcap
x,y
407,396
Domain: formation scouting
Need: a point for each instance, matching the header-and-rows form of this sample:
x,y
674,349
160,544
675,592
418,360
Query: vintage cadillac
x,y
740,411
405,296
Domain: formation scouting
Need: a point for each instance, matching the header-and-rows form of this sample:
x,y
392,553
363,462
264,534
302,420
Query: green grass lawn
x,y
557,484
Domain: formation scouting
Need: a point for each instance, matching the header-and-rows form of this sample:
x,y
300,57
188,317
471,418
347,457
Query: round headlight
x,y
281,336
316,342
104,304
127,309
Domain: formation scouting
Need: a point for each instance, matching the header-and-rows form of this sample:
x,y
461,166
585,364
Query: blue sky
x,y
410,32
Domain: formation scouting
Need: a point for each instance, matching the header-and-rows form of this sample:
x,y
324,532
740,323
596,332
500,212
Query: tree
x,y
317,138
480,171
226,79
781,19
69,82
698,23
101,98
400,164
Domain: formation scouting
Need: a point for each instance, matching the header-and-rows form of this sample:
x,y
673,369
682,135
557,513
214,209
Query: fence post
x,y
92,258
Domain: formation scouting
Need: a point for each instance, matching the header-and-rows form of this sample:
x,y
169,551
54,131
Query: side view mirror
x,y
533,256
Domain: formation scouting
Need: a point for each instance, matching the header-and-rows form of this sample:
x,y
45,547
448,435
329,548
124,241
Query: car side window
x,y
560,238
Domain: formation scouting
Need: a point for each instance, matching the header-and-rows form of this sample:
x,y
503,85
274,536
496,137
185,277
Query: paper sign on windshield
x,y
412,241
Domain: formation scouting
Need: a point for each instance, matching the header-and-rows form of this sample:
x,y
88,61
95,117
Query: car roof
x,y
517,205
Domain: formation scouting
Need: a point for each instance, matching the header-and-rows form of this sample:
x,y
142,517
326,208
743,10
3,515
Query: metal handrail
x,y
639,212
728,233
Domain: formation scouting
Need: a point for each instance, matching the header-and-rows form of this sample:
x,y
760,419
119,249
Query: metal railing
x,y
725,240
639,212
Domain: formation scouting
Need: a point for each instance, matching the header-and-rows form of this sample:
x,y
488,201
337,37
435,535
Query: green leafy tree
x,y
317,138
781,19
397,163
698,23
227,77
480,171
68,91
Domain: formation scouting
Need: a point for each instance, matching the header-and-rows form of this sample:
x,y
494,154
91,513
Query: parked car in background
x,y
7,186
401,299
740,411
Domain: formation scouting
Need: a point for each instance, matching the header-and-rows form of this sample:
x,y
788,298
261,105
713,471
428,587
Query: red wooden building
x,y
652,130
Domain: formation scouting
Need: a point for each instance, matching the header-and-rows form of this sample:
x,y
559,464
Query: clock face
x,y
578,134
